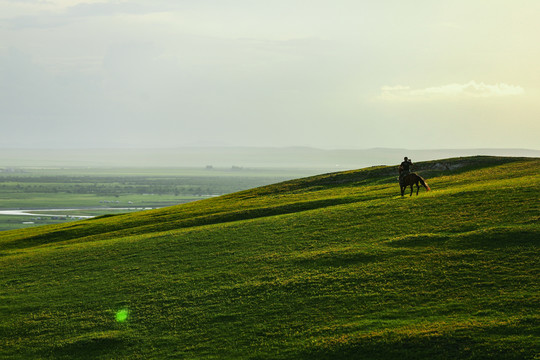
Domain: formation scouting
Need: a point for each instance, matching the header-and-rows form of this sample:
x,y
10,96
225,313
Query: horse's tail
x,y
424,183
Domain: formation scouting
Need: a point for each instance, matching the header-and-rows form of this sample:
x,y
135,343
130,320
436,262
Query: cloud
x,y
472,89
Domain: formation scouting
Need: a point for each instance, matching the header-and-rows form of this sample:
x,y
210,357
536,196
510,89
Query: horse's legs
x,y
411,189
417,188
402,189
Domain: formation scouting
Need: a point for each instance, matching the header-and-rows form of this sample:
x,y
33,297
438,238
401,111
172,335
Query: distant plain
x,y
94,191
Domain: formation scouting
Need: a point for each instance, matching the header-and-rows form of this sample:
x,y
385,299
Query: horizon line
x,y
187,147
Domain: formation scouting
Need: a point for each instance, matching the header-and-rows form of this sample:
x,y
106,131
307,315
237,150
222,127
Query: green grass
x,y
336,266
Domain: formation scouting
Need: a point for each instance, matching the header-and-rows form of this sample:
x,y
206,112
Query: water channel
x,y
61,212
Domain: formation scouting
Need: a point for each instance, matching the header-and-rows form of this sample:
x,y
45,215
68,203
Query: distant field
x,y
103,189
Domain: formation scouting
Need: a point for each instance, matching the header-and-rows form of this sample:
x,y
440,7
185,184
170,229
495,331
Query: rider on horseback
x,y
404,168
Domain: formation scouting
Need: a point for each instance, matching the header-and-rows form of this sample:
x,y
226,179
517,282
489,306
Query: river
x,y
59,212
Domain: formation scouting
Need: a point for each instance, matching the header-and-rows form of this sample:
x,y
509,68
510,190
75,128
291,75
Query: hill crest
x,y
271,200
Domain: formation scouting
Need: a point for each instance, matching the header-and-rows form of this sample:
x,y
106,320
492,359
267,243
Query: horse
x,y
410,180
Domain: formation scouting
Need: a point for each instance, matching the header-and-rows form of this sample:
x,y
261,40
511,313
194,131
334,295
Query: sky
x,y
337,74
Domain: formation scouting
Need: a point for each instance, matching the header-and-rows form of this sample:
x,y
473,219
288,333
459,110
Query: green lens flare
x,y
122,315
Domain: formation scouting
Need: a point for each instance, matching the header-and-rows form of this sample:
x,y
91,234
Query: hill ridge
x,y
380,174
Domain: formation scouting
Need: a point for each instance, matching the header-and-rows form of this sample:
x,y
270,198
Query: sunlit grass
x,y
333,266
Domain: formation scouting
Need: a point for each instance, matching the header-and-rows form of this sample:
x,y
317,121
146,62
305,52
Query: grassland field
x,y
334,266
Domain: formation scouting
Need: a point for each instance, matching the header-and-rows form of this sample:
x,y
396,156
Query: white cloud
x,y
472,89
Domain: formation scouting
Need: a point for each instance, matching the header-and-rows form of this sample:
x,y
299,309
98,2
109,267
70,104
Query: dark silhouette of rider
x,y
405,168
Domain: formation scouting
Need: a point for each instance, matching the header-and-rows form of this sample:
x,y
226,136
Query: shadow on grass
x,y
497,238
93,346
455,345
484,239
419,240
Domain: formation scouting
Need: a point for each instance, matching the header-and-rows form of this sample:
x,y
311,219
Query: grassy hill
x,y
332,266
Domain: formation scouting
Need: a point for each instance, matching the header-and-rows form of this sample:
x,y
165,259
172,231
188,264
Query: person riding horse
x,y
406,178
405,168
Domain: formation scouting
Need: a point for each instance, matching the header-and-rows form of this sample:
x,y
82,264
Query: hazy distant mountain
x,y
289,157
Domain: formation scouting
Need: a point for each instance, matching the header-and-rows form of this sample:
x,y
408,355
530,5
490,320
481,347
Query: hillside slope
x,y
332,266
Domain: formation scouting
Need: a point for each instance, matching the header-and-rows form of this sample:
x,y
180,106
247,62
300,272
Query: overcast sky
x,y
329,74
